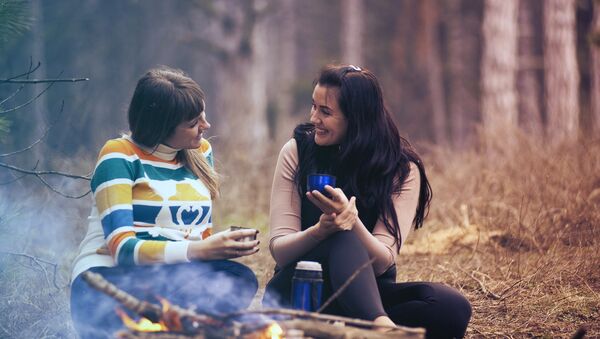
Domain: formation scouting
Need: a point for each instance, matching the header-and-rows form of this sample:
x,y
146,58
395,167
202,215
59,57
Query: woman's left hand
x,y
336,204
344,221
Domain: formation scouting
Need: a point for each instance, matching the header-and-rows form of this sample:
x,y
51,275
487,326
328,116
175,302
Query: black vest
x,y
325,161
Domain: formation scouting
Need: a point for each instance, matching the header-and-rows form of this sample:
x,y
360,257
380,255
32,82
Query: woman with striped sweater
x,y
150,230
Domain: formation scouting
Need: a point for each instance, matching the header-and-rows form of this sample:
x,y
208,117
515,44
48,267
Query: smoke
x,y
41,231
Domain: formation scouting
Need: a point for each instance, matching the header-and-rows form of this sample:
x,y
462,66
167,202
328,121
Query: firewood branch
x,y
345,285
154,313
41,81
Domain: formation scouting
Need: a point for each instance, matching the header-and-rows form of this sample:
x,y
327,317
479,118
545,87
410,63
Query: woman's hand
x,y
336,204
224,245
344,221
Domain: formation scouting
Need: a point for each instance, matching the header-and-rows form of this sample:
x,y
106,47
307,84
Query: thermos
x,y
307,286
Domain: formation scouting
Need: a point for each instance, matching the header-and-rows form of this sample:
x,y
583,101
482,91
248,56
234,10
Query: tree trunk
x,y
561,73
283,92
241,79
499,65
595,90
463,41
530,63
352,31
430,23
40,105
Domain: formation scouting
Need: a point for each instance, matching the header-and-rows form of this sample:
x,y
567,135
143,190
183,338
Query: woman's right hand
x,y
344,221
223,245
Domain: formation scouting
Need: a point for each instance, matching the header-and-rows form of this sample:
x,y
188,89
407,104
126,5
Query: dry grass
x,y
515,230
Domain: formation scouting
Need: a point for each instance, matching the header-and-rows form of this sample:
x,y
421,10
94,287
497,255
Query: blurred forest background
x,y
502,97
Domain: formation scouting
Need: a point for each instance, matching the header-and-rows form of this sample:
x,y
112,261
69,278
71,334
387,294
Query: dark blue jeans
x,y
207,286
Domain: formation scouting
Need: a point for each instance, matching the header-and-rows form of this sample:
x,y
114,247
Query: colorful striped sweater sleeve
x,y
149,208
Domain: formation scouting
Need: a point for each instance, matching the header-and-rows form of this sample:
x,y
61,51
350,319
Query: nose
x,y
204,125
313,116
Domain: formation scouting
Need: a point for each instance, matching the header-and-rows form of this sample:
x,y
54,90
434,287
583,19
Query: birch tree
x,y
595,60
352,31
463,41
499,65
530,62
561,72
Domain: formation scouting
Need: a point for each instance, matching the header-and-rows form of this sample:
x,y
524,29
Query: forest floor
x,y
516,231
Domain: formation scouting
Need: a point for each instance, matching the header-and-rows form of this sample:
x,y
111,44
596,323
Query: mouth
x,y
320,131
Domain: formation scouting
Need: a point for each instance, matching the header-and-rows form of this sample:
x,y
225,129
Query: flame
x,y
142,325
274,331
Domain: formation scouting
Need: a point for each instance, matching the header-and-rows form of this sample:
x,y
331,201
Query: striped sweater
x,y
148,207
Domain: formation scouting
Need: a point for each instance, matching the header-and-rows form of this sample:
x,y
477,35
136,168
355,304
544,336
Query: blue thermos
x,y
307,286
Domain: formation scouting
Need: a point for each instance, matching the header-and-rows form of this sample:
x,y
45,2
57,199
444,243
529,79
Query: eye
x,y
194,123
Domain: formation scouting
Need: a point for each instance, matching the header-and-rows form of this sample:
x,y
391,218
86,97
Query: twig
x,y
38,262
482,286
40,81
345,285
323,317
38,173
53,189
174,316
28,102
62,106
31,70
12,95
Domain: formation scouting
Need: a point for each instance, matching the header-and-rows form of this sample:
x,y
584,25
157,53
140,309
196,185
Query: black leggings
x,y
440,309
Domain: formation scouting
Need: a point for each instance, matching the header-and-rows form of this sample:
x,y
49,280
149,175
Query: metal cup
x,y
246,238
318,181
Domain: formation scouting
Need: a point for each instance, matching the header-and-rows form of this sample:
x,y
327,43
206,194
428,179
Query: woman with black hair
x,y
382,191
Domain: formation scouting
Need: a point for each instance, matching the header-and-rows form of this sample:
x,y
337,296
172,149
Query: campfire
x,y
169,321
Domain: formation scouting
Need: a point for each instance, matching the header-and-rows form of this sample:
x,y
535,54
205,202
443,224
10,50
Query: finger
x,y
248,252
246,245
324,201
312,198
235,235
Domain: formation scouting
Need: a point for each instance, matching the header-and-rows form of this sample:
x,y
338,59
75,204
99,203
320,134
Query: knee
x,y
242,274
454,309
344,241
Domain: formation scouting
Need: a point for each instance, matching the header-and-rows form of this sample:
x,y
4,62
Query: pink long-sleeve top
x,y
287,240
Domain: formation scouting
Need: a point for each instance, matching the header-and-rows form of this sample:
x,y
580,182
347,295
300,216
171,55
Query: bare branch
x,y
40,173
40,81
61,193
38,262
28,102
62,106
12,95
345,285
30,71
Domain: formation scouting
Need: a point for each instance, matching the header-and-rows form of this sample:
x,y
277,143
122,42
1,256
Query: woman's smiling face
x,y
330,123
188,134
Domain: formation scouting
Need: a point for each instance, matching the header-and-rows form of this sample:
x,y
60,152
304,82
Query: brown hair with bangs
x,y
163,98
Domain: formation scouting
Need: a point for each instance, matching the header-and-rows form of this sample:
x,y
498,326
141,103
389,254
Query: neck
x,y
161,151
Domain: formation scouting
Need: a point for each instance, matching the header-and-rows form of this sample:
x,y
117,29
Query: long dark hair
x,y
373,158
163,98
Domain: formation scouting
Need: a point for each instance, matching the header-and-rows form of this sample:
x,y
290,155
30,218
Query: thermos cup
x,y
307,286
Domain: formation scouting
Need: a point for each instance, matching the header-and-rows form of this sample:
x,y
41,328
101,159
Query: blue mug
x,y
318,181
307,286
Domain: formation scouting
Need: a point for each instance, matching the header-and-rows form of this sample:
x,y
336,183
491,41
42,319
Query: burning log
x,y
187,324
174,317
